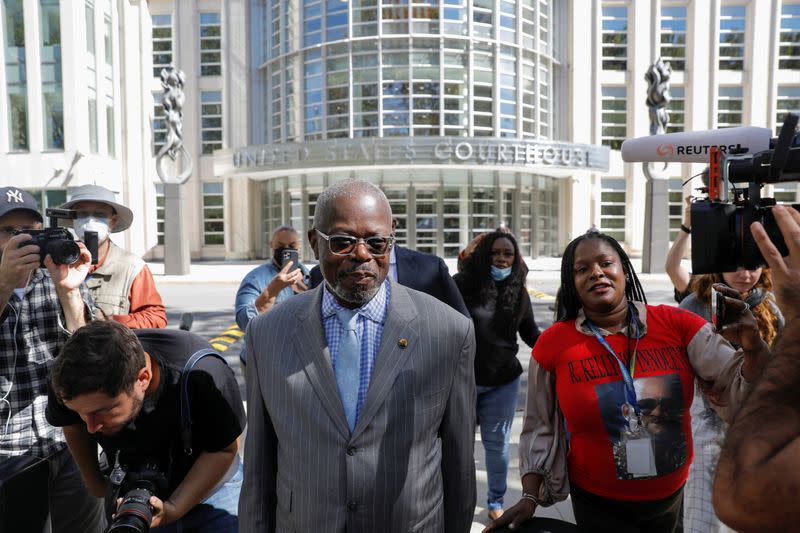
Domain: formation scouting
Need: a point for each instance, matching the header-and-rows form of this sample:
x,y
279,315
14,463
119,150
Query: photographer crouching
x,y
168,419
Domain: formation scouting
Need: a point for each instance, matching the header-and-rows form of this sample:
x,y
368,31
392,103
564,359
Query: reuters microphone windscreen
x,y
693,146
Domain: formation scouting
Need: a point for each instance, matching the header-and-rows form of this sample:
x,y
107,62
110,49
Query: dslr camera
x,y
721,237
57,242
134,513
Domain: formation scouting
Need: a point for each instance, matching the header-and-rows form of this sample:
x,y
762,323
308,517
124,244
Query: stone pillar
x,y
176,235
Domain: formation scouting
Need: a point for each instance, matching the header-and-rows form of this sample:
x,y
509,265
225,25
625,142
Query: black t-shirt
x,y
216,407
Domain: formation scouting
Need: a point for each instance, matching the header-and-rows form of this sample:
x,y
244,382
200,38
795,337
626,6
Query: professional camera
x,y
58,242
721,237
134,513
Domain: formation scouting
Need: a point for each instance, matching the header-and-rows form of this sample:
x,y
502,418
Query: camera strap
x,y
183,386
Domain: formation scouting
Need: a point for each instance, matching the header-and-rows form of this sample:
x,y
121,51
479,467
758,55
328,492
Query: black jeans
x,y
595,513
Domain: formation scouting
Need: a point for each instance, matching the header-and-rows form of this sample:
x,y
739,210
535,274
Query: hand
x,y
687,212
164,512
514,517
299,286
17,263
740,327
785,270
284,278
70,277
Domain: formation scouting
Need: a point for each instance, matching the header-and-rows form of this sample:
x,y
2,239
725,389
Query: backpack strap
x,y
183,401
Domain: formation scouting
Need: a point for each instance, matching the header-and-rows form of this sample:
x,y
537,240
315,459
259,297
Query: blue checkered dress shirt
x,y
371,318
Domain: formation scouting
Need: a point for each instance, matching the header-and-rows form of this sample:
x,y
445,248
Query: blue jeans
x,y
216,514
495,410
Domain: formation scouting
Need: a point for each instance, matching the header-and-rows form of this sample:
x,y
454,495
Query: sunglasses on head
x,y
377,245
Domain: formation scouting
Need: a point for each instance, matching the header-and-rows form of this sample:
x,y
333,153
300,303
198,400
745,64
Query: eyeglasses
x,y
377,245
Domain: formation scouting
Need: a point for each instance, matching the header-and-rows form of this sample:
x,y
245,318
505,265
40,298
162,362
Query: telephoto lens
x,y
134,514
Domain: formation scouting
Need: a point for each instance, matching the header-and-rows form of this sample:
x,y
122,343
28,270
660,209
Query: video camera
x,y
137,485
747,157
58,242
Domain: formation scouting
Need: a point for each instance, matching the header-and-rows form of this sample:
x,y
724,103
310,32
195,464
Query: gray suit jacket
x,y
407,467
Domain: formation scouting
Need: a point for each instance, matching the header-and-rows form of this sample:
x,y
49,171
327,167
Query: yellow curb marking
x,y
541,295
227,339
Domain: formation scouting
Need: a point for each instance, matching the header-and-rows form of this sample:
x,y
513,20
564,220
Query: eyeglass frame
x,y
390,238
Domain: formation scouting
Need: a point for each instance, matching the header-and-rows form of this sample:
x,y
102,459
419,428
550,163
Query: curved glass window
x,y
483,68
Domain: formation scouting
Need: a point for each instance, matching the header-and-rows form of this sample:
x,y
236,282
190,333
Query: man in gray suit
x,y
360,393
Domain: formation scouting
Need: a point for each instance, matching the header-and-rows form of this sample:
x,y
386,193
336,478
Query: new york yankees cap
x,y
14,198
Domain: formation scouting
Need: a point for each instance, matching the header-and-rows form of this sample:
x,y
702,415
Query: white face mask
x,y
98,224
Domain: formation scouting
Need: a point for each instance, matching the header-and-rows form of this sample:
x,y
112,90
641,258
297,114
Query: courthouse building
x,y
468,113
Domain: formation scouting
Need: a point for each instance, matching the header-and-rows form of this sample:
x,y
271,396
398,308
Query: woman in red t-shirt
x,y
617,376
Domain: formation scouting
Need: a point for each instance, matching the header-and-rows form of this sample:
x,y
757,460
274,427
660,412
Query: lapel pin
x,y
402,343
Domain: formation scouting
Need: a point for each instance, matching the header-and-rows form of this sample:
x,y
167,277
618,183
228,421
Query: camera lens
x,y
134,513
63,252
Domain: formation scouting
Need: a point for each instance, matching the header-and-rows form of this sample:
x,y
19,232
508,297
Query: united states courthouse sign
x,y
454,151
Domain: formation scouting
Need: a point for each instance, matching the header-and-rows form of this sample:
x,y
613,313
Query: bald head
x,y
358,192
351,209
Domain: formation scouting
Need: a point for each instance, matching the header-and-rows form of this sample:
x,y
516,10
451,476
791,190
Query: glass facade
x,y
614,106
414,68
210,44
615,37
673,36
732,25
52,94
676,109
789,51
16,77
162,43
437,211
213,213
382,68
211,117
788,102
729,106
613,207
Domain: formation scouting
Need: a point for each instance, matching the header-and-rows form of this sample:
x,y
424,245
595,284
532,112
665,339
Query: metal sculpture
x,y
658,97
656,223
173,80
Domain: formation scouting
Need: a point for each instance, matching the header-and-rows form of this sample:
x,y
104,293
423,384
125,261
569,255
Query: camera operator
x,y
272,282
121,283
123,389
756,482
39,308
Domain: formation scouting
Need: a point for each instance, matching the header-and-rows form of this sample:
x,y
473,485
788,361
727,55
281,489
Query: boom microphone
x,y
692,147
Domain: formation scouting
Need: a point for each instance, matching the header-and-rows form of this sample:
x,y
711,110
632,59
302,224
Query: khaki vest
x,y
110,284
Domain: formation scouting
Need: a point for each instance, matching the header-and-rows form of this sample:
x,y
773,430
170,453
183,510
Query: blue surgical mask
x,y
499,274
98,224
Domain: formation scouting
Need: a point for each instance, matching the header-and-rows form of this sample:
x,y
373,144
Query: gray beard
x,y
358,297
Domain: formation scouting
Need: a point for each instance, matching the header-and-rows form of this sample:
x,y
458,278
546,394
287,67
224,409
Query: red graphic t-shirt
x,y
590,392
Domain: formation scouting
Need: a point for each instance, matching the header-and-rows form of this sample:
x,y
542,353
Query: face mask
x,y
499,274
98,224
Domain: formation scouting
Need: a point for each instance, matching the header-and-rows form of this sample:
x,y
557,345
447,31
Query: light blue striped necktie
x,y
348,364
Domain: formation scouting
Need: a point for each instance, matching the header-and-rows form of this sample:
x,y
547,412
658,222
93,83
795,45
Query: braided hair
x,y
477,286
568,303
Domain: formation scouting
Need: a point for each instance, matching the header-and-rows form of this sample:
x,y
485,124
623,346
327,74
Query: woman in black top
x,y
493,284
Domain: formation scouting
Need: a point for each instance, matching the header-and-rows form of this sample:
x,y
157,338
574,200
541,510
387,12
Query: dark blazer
x,y
408,465
422,272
